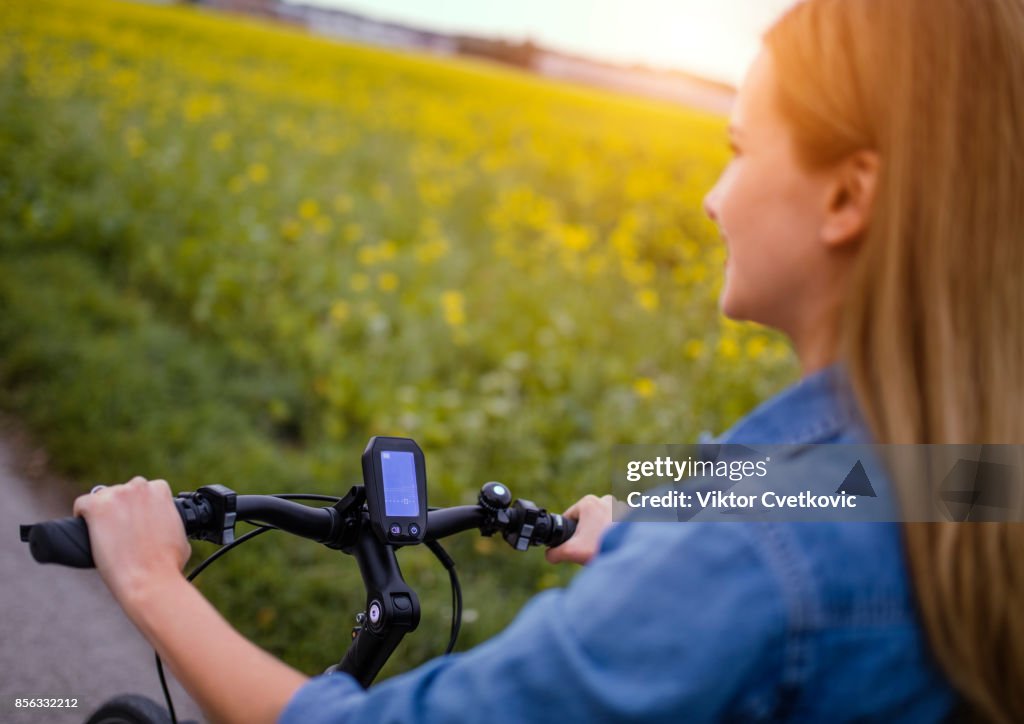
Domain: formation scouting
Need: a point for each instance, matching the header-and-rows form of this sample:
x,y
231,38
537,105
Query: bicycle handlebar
x,y
392,607
66,540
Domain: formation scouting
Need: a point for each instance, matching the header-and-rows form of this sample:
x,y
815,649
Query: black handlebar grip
x,y
570,528
559,530
64,541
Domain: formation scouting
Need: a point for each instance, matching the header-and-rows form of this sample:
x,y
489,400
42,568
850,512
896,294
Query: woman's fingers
x,y
135,532
593,516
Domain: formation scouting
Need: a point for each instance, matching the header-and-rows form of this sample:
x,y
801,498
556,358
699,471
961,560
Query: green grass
x,y
231,254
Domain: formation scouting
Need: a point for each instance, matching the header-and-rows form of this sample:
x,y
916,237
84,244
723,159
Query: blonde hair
x,y
932,333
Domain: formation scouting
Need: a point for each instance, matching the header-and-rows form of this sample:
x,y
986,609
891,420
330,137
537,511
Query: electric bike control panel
x,y
395,478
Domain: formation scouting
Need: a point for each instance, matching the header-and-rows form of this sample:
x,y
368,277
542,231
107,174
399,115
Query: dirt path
x,y
61,634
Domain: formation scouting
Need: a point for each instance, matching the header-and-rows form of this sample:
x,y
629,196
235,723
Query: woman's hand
x,y
139,546
593,515
137,537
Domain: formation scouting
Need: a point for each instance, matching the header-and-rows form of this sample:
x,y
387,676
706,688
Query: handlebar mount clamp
x,y
222,502
528,513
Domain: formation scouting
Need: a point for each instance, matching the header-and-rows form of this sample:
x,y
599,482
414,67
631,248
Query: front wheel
x,y
130,709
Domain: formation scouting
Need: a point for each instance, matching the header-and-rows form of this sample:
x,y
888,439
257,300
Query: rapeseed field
x,y
231,252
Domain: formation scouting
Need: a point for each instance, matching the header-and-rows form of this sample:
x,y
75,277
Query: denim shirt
x,y
695,621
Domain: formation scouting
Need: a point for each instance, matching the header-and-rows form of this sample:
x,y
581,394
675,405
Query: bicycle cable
x,y
194,573
446,560
191,576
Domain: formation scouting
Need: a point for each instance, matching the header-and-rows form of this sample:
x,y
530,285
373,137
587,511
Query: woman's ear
x,y
850,198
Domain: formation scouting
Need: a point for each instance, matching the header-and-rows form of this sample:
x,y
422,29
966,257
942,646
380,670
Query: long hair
x,y
932,329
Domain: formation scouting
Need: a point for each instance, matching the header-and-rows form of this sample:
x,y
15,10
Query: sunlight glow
x,y
714,38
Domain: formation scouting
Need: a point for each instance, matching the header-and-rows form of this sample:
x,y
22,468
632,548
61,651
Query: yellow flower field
x,y
515,272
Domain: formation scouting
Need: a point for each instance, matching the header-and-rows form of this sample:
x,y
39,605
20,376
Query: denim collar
x,y
818,408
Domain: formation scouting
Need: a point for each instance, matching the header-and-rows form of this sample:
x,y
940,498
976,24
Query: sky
x,y
713,38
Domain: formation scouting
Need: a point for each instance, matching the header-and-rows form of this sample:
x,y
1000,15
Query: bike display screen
x,y
401,492
395,481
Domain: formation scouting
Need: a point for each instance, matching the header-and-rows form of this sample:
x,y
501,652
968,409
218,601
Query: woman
x,y
872,213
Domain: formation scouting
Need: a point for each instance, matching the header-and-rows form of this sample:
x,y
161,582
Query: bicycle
x,y
369,522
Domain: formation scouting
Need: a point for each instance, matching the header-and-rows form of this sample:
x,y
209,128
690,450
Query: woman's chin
x,y
733,308
727,304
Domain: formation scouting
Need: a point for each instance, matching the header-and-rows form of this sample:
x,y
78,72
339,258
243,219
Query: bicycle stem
x,y
392,609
